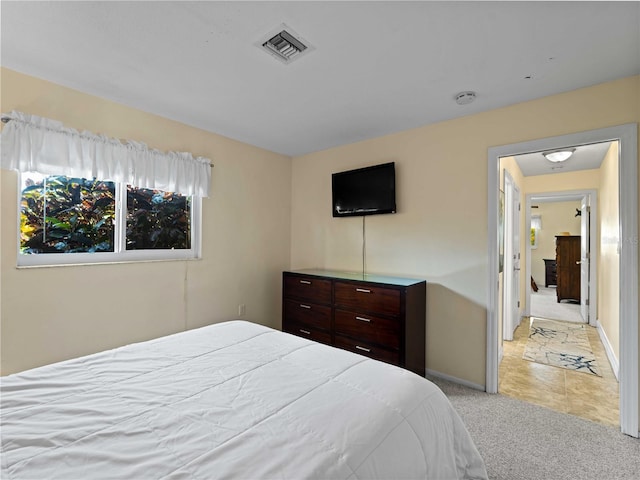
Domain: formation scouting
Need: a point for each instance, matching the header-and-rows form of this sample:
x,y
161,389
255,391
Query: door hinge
x,y
518,303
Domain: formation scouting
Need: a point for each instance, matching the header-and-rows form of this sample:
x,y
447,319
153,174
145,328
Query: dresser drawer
x,y
308,288
309,314
385,301
369,328
363,348
308,332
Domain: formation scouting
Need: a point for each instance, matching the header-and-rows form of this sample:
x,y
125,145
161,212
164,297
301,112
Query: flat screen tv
x,y
364,191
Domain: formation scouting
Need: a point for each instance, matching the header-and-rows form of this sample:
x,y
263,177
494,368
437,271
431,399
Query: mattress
x,y
230,400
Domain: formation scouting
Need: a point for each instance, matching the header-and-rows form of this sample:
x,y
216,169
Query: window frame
x,y
535,230
120,253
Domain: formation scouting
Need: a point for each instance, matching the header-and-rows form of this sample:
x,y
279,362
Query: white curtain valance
x,y
36,144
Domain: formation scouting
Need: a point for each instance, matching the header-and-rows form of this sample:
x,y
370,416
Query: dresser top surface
x,y
359,276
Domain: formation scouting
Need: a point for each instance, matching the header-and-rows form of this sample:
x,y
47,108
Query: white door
x,y
515,253
511,277
585,213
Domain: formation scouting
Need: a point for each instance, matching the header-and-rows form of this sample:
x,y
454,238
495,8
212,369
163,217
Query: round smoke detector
x,y
464,98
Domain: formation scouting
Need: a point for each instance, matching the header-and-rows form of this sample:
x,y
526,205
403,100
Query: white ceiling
x,y
585,157
377,68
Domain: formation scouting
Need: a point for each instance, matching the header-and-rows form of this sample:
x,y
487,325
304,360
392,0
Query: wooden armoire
x,y
568,267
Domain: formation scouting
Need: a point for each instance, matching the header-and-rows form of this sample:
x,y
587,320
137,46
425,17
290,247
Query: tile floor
x,y
576,393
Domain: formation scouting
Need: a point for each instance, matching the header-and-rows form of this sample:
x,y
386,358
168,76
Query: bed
x,y
230,400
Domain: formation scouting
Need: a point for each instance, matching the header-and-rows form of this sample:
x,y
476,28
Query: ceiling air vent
x,y
285,45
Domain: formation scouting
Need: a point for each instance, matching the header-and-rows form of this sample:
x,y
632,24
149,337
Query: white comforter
x,y
232,400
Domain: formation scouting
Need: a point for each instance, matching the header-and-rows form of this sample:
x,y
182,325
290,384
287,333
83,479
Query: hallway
x,y
587,396
545,305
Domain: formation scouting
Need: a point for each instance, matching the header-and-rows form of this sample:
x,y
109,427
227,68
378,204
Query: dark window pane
x,y
66,215
157,220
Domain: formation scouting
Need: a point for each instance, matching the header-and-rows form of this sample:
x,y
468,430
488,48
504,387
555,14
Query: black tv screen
x,y
364,191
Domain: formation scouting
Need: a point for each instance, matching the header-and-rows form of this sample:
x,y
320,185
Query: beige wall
x,y
609,257
50,314
557,217
559,182
439,233
440,230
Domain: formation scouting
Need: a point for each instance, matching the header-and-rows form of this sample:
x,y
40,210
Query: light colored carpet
x,y
560,344
522,441
544,304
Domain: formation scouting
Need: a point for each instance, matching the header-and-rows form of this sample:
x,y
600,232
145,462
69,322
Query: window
x,y
536,226
67,220
157,220
88,198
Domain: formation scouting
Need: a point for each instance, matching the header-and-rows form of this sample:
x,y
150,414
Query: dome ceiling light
x,y
556,156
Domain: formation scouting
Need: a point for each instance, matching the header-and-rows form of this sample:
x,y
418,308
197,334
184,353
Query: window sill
x,y
115,262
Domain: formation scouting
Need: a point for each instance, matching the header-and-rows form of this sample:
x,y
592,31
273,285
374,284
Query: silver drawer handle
x,y
305,306
362,319
306,332
363,290
306,282
368,350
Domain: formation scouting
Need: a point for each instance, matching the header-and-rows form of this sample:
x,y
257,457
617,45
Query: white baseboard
x,y
613,361
460,381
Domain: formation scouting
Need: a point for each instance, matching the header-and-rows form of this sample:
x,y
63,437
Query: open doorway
x,y
628,257
570,217
558,300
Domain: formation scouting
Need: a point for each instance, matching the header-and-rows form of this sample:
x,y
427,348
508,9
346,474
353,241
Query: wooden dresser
x,y
568,267
377,316
550,272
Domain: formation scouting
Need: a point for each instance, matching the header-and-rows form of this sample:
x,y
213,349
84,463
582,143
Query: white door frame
x,y
587,294
628,187
566,196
